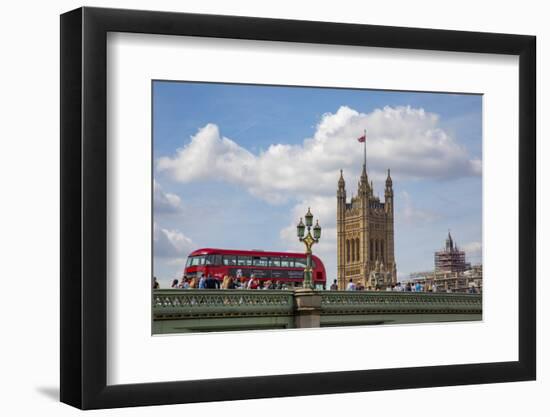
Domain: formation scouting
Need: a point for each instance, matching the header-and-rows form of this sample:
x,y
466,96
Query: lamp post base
x,y
308,308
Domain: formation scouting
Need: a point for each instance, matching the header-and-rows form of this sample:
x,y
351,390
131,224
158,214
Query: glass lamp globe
x,y
301,229
309,218
317,231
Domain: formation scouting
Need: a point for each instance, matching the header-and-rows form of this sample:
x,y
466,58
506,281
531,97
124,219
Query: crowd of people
x,y
228,283
252,283
407,287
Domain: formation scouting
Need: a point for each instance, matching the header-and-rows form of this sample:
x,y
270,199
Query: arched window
x,y
347,251
371,251
357,251
353,250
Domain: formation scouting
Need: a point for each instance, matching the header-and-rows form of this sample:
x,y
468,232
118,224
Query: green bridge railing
x,y
341,302
181,311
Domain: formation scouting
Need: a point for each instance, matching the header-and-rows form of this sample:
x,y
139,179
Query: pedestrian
x,y
216,283
225,282
434,287
202,282
174,283
250,282
351,286
211,283
156,285
243,283
334,286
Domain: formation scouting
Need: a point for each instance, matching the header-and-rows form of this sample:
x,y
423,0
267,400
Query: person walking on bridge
x,y
351,286
211,283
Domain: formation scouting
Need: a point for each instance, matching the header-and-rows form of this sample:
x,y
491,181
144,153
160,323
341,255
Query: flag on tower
x,y
363,140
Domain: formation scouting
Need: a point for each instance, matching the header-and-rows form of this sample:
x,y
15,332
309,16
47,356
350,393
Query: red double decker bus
x,y
266,266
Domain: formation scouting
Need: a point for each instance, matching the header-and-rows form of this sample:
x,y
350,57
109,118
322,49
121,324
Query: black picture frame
x,y
84,207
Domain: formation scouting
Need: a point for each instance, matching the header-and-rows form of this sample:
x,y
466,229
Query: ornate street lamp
x,y
309,241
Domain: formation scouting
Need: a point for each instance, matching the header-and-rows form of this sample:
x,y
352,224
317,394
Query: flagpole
x,y
365,147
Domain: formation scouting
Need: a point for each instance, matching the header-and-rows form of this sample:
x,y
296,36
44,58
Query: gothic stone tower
x,y
364,229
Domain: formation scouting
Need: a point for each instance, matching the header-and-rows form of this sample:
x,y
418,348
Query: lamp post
x,y
309,241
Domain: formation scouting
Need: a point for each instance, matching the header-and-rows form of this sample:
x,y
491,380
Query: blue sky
x,y
235,166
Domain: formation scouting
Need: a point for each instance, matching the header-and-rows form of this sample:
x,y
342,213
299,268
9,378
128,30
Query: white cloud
x,y
170,243
165,202
410,214
407,140
473,251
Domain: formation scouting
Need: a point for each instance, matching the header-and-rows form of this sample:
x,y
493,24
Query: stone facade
x,y
365,235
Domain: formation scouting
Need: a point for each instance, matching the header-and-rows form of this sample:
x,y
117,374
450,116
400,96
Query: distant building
x,y
445,281
451,259
451,273
364,229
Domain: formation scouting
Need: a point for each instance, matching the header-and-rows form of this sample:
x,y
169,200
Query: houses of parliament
x,y
365,235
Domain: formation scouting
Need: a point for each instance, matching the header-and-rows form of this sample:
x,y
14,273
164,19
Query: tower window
x,y
357,249
353,250
347,251
371,251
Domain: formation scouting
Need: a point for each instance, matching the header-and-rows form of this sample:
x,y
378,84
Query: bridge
x,y
183,311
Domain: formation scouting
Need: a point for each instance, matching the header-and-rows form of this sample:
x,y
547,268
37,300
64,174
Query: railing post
x,y
307,308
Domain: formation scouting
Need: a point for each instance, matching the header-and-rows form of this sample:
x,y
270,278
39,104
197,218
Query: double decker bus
x,y
285,267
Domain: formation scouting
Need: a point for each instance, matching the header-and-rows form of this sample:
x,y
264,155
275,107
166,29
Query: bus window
x,y
230,260
244,260
299,262
259,261
275,262
313,264
213,259
286,263
197,260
